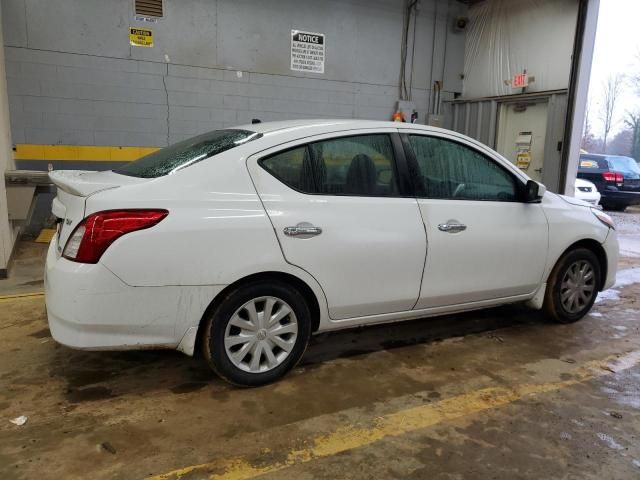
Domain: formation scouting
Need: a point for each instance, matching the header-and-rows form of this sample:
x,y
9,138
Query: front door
x,y
339,213
483,243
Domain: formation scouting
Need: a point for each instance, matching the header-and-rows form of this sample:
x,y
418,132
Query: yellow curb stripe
x,y
45,235
21,295
84,153
403,422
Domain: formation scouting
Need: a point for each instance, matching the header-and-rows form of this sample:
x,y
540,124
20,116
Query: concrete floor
x,y
496,394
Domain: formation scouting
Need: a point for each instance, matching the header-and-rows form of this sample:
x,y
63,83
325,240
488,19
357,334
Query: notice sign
x,y
140,37
307,51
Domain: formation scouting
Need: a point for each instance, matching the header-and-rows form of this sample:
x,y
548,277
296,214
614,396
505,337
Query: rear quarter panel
x,y
216,232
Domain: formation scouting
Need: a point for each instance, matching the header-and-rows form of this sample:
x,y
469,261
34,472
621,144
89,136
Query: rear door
x,y
339,210
484,244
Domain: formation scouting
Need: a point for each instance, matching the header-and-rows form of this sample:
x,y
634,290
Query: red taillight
x,y
613,177
99,230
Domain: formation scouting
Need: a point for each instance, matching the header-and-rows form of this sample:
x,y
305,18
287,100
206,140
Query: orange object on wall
x,y
397,117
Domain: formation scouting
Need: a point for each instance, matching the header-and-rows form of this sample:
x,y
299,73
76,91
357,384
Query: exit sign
x,y
520,80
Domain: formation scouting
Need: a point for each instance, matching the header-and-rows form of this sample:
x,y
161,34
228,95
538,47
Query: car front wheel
x,y
257,334
573,286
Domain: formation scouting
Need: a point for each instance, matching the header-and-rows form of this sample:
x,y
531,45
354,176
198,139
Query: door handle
x,y
302,230
452,227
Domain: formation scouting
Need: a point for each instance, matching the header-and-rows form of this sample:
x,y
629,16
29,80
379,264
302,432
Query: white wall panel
x,y
506,37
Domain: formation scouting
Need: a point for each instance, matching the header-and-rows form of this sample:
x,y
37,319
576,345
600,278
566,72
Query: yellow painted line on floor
x,y
403,422
46,234
21,295
84,153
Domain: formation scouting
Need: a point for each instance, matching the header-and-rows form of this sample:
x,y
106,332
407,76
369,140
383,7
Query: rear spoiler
x,y
76,182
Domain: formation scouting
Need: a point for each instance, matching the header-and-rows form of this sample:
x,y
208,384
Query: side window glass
x,y
358,165
449,170
287,167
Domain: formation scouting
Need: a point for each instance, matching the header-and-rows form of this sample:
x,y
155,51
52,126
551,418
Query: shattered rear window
x,y
180,155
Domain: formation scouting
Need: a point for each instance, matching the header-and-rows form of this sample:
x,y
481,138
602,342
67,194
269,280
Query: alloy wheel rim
x,y
578,286
261,334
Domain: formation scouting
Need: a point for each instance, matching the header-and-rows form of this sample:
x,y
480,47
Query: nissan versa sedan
x,y
241,243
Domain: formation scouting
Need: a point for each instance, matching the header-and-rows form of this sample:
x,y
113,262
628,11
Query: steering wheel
x,y
459,189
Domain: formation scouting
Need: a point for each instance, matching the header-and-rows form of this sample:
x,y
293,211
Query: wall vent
x,y
149,8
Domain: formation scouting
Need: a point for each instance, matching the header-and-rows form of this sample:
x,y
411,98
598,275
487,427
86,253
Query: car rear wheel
x,y
257,334
614,207
573,286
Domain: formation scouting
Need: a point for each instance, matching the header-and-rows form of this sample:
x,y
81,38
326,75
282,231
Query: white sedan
x,y
586,191
241,243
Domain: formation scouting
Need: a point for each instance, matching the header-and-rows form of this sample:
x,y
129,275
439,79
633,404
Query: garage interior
x,y
493,394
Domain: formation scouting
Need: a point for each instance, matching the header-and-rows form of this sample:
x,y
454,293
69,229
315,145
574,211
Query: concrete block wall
x,y
53,101
74,79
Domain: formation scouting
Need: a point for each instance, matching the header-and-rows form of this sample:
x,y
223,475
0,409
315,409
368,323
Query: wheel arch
x,y
597,249
305,290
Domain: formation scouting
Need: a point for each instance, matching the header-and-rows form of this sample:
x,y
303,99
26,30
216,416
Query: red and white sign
x,y
520,80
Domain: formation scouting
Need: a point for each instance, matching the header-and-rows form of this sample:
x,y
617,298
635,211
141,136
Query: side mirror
x,y
533,192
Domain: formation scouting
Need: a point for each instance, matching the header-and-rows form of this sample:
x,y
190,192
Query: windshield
x,y
624,164
182,154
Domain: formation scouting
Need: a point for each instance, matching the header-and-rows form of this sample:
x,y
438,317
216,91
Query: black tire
x,y
553,305
213,346
614,207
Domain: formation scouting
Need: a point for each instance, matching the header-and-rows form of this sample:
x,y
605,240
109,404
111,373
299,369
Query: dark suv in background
x,y
617,179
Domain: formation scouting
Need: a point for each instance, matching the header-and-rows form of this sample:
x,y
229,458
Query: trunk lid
x,y
631,181
73,189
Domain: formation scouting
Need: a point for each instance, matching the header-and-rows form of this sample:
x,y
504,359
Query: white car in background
x,y
242,242
586,191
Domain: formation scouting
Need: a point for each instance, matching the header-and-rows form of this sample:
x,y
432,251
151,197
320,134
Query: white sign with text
x,y
307,51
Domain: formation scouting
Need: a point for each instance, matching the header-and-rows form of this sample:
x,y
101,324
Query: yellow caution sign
x,y
140,37
523,160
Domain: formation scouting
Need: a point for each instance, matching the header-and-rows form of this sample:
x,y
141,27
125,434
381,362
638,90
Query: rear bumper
x,y
88,307
622,197
612,251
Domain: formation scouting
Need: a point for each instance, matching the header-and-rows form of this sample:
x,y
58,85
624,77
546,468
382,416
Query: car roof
x,y
331,124
310,127
595,156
